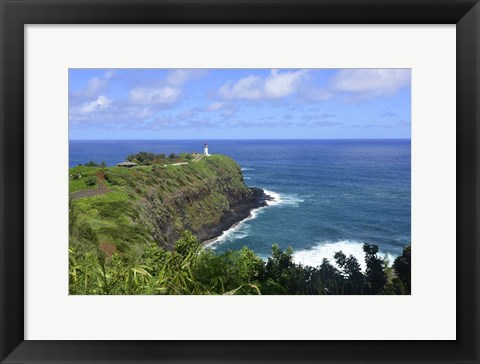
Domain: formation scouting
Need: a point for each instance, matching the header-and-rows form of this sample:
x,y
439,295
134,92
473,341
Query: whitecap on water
x,y
282,199
314,256
275,197
241,230
237,231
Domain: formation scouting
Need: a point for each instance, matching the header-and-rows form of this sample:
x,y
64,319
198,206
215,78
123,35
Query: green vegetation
x,y
189,269
133,238
154,204
93,164
81,178
147,158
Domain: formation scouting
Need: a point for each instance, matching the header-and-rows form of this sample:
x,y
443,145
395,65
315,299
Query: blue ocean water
x,y
329,195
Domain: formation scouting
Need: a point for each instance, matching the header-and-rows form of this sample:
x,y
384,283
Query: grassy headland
x,y
157,203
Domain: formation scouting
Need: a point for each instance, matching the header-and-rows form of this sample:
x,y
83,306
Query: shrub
x,y
91,181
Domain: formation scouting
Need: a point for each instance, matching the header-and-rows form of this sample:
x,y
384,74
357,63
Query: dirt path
x,y
197,158
100,190
88,193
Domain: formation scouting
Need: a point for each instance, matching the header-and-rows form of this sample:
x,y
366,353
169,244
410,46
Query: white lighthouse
x,y
205,150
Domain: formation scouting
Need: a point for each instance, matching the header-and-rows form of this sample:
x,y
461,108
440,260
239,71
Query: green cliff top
x,y
125,209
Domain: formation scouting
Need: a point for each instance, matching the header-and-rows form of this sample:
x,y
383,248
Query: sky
x,y
239,103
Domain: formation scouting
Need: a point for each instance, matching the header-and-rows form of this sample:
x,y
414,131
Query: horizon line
x,y
218,139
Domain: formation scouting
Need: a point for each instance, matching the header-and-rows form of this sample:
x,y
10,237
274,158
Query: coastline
x,y
238,214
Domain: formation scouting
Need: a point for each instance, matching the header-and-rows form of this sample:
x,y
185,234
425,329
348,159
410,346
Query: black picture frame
x,y
15,14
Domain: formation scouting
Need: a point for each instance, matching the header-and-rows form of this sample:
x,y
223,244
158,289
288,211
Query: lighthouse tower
x,y
205,150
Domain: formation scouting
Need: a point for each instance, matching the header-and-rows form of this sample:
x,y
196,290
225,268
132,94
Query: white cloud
x,y
96,85
109,74
227,109
166,91
116,115
160,95
276,85
249,88
371,82
180,76
279,85
102,102
215,106
177,77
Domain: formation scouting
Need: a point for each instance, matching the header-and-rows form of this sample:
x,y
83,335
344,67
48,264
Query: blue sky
x,y
239,103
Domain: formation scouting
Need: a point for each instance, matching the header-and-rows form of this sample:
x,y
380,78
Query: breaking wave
x,y
314,256
237,231
241,229
282,199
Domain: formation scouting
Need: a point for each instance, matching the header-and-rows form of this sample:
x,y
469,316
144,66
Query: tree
x,y
91,164
249,266
188,243
331,281
281,269
375,275
154,257
91,181
352,271
279,262
402,267
145,158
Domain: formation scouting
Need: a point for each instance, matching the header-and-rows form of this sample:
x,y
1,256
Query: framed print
x,y
239,181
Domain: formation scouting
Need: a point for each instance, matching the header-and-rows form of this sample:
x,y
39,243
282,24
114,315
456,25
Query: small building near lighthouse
x,y
205,150
126,164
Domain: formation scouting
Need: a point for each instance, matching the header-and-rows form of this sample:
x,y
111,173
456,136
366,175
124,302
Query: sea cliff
x,y
124,209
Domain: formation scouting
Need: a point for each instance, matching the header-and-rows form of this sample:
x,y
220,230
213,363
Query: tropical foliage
x,y
148,158
191,269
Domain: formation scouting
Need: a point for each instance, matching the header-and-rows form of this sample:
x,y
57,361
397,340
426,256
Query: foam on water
x,y
282,199
241,229
275,197
314,256
237,231
247,169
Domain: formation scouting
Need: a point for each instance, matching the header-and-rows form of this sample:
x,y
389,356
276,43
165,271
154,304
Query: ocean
x,y
329,195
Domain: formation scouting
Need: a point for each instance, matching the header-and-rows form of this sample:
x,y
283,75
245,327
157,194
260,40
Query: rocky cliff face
x,y
217,200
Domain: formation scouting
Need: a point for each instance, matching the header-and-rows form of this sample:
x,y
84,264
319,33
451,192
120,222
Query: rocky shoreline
x,y
236,214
